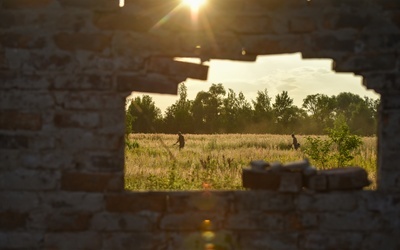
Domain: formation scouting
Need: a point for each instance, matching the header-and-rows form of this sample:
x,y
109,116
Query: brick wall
x,y
66,67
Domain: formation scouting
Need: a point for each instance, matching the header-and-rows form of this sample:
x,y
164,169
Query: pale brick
x,y
73,201
23,179
263,201
21,240
18,201
199,201
269,240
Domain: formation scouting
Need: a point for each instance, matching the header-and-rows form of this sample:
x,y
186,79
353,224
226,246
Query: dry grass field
x,y
215,161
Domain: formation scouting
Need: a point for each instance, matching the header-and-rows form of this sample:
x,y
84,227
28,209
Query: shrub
x,y
339,148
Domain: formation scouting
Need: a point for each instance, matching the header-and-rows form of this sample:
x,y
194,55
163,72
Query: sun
x,y
194,4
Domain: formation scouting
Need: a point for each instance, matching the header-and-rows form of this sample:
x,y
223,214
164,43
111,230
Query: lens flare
x,y
194,4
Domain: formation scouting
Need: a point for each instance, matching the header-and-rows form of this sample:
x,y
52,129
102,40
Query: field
x,y
215,161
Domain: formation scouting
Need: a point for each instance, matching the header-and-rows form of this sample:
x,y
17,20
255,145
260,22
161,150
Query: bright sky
x,y
299,77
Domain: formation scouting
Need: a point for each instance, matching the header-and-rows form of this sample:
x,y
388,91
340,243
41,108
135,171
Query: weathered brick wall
x,y
66,67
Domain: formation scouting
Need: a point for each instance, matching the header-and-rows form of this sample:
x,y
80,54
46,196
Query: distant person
x,y
181,140
296,145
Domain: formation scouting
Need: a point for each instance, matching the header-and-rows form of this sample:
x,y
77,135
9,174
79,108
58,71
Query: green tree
x,y
145,116
207,108
178,117
320,109
262,106
287,116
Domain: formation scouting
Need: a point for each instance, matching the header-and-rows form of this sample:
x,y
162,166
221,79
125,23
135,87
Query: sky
x,y
276,73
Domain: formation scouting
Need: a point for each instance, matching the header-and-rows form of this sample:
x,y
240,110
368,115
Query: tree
x,y
178,117
145,115
262,106
321,109
286,115
207,108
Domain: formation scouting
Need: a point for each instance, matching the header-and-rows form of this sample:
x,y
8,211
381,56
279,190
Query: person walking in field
x,y
296,145
181,140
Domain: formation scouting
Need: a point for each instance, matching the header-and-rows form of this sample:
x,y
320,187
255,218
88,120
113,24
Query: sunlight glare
x,y
194,4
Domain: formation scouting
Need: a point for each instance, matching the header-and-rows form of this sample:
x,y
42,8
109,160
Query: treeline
x,y
221,111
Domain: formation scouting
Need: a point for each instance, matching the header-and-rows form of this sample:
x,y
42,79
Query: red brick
x,y
79,41
11,220
92,182
25,4
13,120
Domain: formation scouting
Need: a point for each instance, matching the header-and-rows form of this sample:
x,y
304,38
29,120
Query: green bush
x,y
337,150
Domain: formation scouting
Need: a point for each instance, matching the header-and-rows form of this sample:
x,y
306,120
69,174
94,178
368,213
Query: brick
x,y
91,182
156,84
199,201
122,21
82,41
65,202
21,240
291,182
82,82
11,220
89,101
98,5
355,221
354,20
76,119
269,240
23,179
318,182
283,181
121,222
15,120
360,63
136,202
346,178
272,222
338,201
138,240
107,163
266,201
331,240
167,66
302,25
14,141
22,41
72,240
25,4
18,201
189,221
73,221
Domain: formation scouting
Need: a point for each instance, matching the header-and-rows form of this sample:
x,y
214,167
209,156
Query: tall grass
x,y
214,161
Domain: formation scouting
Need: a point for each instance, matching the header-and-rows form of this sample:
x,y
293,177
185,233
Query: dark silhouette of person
x,y
296,145
181,140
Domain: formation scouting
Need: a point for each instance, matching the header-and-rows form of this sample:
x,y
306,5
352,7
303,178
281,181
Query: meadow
x,y
215,161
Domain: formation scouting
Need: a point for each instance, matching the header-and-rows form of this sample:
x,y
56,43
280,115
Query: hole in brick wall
x,y
244,111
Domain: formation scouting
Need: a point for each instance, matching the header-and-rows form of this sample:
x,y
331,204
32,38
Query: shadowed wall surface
x,y
66,67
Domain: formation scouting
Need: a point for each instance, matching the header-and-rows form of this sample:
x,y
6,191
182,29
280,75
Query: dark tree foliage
x,y
221,111
143,115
